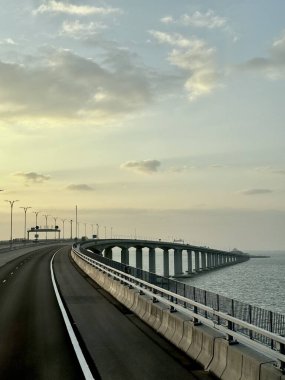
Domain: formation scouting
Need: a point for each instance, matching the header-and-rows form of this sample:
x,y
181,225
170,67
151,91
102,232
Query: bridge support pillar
x,y
165,262
203,260
109,253
215,258
151,260
177,262
139,257
125,256
209,260
189,260
219,259
197,264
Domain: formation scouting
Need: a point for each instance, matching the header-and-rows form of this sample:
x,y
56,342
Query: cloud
x,y
7,41
53,6
167,20
78,30
272,66
196,59
204,20
269,169
146,166
32,177
64,87
208,20
80,187
256,191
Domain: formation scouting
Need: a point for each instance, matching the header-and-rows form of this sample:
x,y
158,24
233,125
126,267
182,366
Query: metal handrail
x,y
151,290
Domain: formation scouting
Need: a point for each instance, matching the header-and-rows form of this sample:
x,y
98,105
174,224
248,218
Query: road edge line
x,y
79,354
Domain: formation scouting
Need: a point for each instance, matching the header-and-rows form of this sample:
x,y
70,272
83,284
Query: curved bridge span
x,y
199,259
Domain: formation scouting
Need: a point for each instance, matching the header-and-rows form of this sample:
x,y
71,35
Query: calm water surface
x,y
260,282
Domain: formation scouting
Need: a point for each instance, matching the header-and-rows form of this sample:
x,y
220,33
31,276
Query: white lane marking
x,y
4,281
84,366
11,273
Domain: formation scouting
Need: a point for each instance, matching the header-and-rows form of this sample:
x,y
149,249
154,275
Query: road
x,y
35,345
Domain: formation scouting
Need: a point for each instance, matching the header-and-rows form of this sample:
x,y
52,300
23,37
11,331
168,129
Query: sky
x,y
160,119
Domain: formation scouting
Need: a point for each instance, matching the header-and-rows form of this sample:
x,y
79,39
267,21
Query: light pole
x,y
11,236
46,216
92,226
63,220
55,219
105,231
25,222
97,231
85,229
111,232
78,230
71,228
36,213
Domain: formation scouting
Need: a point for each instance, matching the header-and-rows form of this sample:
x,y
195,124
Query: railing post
x,y
218,308
271,328
195,320
282,351
205,303
250,319
172,308
231,326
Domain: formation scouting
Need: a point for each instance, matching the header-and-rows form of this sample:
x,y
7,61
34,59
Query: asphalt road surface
x,y
34,343
120,344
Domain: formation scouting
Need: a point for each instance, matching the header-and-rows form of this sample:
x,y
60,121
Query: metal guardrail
x,y
261,329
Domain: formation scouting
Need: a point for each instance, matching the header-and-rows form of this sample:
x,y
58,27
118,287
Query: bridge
x,y
77,313
204,258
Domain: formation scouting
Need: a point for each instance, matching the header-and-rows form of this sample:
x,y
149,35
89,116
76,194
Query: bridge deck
x,y
120,344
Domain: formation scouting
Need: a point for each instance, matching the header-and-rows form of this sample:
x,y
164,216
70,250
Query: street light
x,y
85,229
111,232
36,213
92,226
71,228
25,223
105,231
11,237
55,219
63,220
97,231
46,216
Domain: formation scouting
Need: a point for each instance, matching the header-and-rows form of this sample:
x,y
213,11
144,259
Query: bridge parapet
x,y
260,329
204,258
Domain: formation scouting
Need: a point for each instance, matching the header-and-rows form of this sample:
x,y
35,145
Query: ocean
x,y
259,281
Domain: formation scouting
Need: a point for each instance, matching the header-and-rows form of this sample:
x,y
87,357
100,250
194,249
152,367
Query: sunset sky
x,y
164,118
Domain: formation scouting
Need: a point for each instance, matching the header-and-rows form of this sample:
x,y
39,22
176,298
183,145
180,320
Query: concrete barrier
x,y
206,345
219,362
179,321
268,372
141,305
156,313
209,336
130,297
164,322
251,364
186,340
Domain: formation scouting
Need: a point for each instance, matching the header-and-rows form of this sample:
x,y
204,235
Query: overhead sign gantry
x,y
36,230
